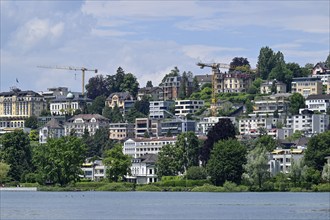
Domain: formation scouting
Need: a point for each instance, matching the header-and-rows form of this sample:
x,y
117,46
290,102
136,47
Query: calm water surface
x,y
163,205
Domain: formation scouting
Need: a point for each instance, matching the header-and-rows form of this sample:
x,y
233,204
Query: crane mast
x,y
215,72
82,69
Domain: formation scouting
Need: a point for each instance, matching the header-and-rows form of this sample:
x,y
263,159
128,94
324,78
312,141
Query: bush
x,y
117,187
30,185
150,188
89,185
181,183
323,187
196,173
207,188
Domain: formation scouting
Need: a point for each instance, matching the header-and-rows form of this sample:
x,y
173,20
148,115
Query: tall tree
x,y
142,105
318,148
149,84
238,62
189,145
16,152
174,72
327,61
256,168
266,62
97,86
222,130
226,162
4,169
117,162
266,141
130,84
297,101
59,160
167,163
97,105
183,86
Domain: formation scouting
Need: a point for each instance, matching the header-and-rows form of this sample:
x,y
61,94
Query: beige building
x,y
307,86
235,81
16,106
123,100
266,87
121,131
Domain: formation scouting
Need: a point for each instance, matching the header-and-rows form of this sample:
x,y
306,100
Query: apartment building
x,y
319,103
320,70
280,160
121,131
171,85
251,126
185,107
266,87
123,100
176,126
269,104
17,105
160,109
153,93
67,105
93,170
137,147
234,81
307,86
308,123
90,122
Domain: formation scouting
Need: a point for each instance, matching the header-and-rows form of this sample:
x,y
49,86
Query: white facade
x,y
185,107
269,104
143,170
138,147
159,109
281,160
68,105
318,103
52,129
94,170
308,123
251,126
207,123
266,88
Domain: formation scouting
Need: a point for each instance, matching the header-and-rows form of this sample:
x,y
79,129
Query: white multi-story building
x,y
251,126
280,160
137,147
308,123
207,123
269,104
68,105
320,103
121,131
143,169
266,87
185,107
159,109
82,122
93,169
52,129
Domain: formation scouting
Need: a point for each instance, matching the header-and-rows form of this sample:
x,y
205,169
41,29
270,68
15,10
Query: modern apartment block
x,y
153,93
251,126
185,107
17,105
269,104
121,131
307,86
308,123
319,103
160,109
137,147
176,126
93,170
280,160
234,81
90,122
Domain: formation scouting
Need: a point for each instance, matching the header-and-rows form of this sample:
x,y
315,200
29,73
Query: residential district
x,y
145,120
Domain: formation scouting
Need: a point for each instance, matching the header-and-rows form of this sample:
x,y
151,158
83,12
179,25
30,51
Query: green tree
x,y
149,84
132,114
297,101
296,172
188,143
59,160
167,163
325,173
31,122
183,86
107,112
4,169
34,135
114,81
222,130
97,86
195,85
16,152
98,143
196,173
266,141
116,115
142,105
174,72
248,106
118,164
266,62
318,148
327,61
130,84
97,105
238,62
226,162
256,168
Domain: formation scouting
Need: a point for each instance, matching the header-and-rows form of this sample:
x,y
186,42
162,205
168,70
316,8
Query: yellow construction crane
x,y
82,69
215,72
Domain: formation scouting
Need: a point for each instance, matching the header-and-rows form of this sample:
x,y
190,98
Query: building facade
x,y
52,129
185,107
143,169
205,124
171,86
176,126
266,87
69,104
269,104
121,131
16,106
234,81
153,93
319,103
90,122
160,109
307,86
123,100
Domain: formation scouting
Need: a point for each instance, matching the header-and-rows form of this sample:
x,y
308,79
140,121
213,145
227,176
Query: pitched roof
x,y
121,95
149,158
53,123
320,96
88,117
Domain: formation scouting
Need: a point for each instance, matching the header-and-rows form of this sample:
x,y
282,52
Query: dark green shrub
x,y
196,173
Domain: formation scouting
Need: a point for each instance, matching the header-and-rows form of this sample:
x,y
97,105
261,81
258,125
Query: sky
x,y
150,38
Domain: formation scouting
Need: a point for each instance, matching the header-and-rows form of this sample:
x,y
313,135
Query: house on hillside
x,y
123,100
52,129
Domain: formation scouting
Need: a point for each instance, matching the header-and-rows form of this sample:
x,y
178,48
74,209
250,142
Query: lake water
x,y
163,205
